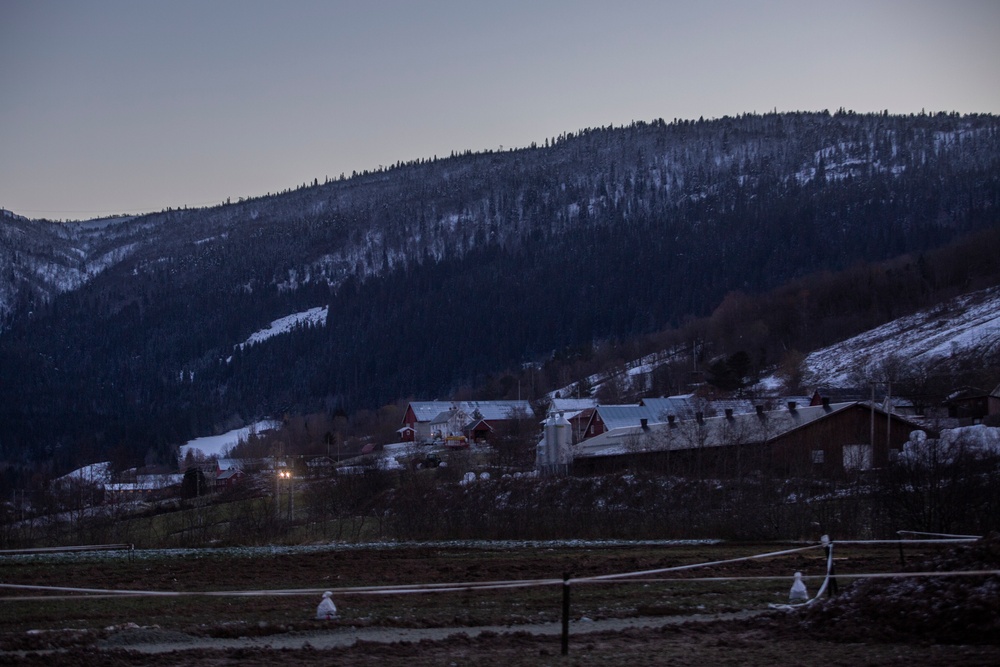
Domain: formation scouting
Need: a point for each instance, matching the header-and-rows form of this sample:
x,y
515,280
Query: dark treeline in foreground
x,y
440,274
953,489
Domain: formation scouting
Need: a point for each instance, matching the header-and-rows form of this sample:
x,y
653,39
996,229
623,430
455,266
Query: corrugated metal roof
x,y
623,416
432,411
571,405
679,406
428,410
710,432
687,406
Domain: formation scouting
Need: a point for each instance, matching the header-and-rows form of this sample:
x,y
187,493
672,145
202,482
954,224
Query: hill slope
x,y
966,328
438,272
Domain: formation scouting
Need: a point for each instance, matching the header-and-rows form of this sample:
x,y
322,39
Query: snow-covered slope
x,y
966,325
312,317
219,445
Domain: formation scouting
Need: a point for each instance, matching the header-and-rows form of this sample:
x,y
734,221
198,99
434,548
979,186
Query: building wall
x,y
994,405
793,453
790,454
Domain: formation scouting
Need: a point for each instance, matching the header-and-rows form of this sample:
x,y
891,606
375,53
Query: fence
x,y
828,586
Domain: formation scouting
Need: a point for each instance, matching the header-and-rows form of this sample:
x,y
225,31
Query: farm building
x,y
652,411
827,440
971,405
426,421
577,411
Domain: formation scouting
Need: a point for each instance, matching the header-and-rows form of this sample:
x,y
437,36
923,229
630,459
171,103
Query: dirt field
x,y
650,622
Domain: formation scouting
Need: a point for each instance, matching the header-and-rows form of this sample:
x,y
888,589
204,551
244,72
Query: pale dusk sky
x,y
128,106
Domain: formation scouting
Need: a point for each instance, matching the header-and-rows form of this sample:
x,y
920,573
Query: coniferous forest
x,y
122,336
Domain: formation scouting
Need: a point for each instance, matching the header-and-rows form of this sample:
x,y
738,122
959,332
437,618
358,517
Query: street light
x,y
284,474
279,475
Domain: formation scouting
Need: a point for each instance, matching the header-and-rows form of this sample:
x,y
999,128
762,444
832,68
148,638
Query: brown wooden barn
x,y
826,440
971,405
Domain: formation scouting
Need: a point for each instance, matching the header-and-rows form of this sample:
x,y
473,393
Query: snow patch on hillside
x,y
970,323
95,473
219,445
312,317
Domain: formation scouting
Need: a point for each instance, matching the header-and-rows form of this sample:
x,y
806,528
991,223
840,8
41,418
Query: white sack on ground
x,y
326,609
798,592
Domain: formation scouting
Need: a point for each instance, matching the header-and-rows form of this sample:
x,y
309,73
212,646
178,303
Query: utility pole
x,y
888,416
871,438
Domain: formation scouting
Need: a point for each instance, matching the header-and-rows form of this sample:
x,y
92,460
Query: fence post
x,y
831,570
565,614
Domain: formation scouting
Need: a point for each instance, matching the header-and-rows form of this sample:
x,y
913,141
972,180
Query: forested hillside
x,y
439,272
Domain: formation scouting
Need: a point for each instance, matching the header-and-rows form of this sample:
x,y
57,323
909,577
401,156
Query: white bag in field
x,y
326,609
798,592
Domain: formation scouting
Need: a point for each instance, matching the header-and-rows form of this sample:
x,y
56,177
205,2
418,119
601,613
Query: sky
x,y
130,106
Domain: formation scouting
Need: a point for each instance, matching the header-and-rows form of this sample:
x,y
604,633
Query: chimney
x,y
729,413
791,406
826,402
700,417
671,419
644,423
760,411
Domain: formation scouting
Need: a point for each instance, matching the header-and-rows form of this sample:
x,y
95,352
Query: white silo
x,y
555,452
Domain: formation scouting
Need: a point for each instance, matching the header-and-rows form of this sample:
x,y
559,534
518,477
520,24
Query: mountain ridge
x,y
441,271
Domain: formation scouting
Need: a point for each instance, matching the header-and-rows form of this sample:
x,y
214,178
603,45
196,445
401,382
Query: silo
x,y
551,441
554,453
564,443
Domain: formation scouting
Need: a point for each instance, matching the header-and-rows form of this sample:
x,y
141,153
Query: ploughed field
x,y
685,617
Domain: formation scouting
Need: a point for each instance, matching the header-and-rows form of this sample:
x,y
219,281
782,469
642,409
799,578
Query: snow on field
x,y
311,317
282,550
969,322
218,445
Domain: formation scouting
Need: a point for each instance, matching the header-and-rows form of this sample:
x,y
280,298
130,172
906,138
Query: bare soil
x,y
644,623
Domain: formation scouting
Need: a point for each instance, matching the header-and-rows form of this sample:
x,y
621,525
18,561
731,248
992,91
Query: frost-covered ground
x,y
967,323
284,550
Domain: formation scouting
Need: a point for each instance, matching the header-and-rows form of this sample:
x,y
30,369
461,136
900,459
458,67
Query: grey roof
x,y
425,411
686,406
622,416
432,411
441,418
679,406
710,432
571,406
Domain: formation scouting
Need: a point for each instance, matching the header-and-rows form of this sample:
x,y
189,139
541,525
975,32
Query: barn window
x,y
857,457
818,456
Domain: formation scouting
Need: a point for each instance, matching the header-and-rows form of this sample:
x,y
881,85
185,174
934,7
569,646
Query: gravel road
x,y
152,640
